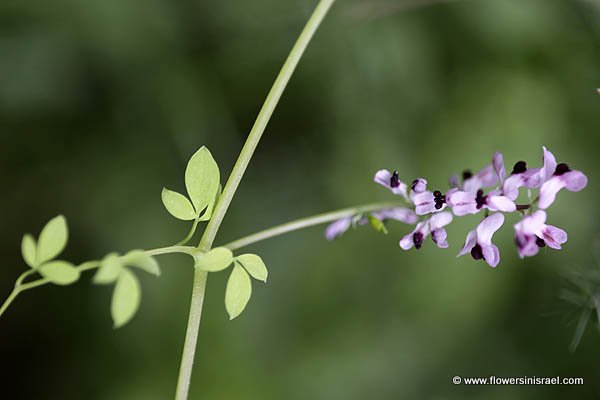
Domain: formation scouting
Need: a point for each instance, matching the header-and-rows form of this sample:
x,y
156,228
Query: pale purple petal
x,y
549,190
554,236
384,177
462,203
491,255
510,187
484,178
526,244
498,162
500,203
440,220
532,224
419,185
574,180
406,243
487,228
337,228
549,165
424,203
439,236
398,213
469,243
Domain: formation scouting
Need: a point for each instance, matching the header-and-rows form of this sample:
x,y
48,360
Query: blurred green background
x,y
103,102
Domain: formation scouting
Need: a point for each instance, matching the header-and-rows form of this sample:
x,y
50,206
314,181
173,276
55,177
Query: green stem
x,y
189,348
306,223
190,234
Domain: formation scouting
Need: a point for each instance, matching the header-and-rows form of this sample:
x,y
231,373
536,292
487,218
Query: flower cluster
x,y
490,191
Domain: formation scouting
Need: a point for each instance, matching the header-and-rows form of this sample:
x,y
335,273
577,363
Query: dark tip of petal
x,y
418,240
395,180
520,167
540,242
466,174
414,184
476,252
439,199
480,199
561,168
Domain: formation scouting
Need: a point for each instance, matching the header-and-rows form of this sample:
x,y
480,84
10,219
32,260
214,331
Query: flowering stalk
x,y
469,197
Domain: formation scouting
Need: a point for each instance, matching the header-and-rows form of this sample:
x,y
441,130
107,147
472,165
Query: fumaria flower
x,y
479,241
531,233
434,225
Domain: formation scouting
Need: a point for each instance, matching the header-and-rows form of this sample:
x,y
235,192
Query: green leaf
x,y
215,260
238,292
126,298
110,269
59,272
377,224
29,249
211,207
53,240
254,265
202,179
178,205
141,260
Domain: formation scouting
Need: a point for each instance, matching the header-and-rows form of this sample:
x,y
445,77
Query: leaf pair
x,y
239,285
202,179
127,293
40,255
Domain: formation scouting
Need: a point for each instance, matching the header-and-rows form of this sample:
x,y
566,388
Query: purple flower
x,y
531,178
340,226
392,182
487,177
531,233
434,226
418,185
398,213
479,241
428,202
498,163
563,177
463,203
337,228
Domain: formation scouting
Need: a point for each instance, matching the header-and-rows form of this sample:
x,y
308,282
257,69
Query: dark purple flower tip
x,y
561,169
519,168
439,199
395,180
477,252
480,199
418,240
467,174
540,242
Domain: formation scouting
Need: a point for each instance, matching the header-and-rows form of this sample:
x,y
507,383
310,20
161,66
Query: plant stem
x,y
190,234
306,223
191,337
86,266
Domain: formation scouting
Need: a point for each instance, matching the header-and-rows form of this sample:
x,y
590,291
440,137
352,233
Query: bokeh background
x,y
103,101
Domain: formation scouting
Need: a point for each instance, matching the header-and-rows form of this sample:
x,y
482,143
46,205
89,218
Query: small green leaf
x,y
377,224
29,249
178,205
202,179
141,260
211,207
254,265
238,292
59,272
126,298
110,269
53,240
215,260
